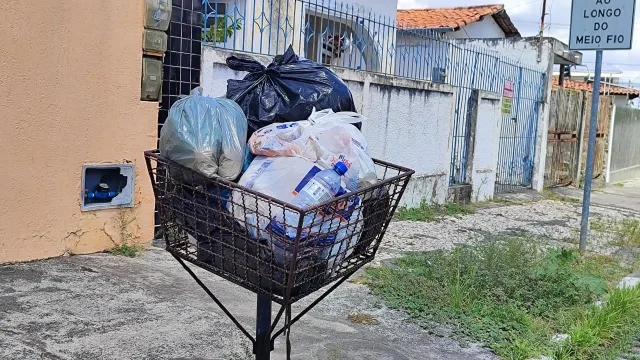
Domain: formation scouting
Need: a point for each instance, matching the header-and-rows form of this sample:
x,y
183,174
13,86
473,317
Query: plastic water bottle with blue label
x,y
321,188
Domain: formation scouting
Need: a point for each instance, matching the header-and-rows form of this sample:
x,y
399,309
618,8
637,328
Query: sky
x,y
526,16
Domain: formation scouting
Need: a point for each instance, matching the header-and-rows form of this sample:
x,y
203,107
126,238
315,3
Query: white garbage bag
x,y
326,138
330,237
337,140
205,134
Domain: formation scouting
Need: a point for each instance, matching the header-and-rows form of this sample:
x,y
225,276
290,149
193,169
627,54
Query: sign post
x,y
598,25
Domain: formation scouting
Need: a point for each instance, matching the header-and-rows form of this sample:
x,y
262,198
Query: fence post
x,y
607,177
583,119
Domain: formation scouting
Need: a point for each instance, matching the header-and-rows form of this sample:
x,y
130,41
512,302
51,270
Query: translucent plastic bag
x,y
337,140
205,134
286,139
326,138
345,117
282,178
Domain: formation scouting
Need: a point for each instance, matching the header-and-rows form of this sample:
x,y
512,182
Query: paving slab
x,y
107,307
623,196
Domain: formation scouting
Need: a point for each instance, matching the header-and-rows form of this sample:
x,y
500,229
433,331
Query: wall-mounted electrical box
x,y
157,14
154,41
107,186
151,79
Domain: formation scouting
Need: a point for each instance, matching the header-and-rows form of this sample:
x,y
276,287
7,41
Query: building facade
x,y
69,101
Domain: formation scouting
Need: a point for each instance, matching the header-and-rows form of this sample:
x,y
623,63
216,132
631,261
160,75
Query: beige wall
x,y
69,95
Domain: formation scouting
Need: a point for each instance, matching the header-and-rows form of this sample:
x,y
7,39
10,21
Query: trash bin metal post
x,y
263,346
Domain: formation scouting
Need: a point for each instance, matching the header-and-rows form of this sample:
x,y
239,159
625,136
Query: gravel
x,y
557,222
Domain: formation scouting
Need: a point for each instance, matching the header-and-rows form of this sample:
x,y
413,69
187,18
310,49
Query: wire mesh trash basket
x,y
281,252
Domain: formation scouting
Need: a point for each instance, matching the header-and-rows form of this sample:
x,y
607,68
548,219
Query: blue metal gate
x,y
476,68
519,129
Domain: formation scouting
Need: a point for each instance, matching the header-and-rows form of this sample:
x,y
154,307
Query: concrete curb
x,y
629,281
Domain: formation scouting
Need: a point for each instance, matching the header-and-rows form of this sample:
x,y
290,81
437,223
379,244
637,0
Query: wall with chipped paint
x,y
485,130
409,121
68,100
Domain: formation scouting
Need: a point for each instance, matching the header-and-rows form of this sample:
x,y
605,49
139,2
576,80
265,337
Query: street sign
x,y
507,97
601,24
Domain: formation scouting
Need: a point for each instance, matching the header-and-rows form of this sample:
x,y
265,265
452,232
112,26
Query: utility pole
x,y
541,34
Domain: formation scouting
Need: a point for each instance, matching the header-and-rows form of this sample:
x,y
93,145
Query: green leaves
x,y
223,28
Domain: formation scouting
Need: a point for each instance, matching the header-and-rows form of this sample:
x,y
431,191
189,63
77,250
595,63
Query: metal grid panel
x,y
181,65
266,245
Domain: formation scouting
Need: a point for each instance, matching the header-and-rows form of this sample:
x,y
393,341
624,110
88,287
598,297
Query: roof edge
x,y
504,22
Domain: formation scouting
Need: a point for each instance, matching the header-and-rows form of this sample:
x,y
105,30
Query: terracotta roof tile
x,y
604,90
455,17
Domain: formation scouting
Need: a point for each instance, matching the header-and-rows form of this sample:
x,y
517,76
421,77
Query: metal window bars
x,y
274,249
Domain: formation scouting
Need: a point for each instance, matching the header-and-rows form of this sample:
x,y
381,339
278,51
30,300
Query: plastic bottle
x,y
321,188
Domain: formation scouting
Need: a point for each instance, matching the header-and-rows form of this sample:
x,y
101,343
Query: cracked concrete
x,y
106,307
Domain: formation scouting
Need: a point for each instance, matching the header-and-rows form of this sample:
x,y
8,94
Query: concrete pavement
x,y
107,307
624,196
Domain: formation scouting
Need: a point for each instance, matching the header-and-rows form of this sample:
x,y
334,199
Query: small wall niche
x,y
106,186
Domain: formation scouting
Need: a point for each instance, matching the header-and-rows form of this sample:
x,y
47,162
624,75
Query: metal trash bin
x,y
200,224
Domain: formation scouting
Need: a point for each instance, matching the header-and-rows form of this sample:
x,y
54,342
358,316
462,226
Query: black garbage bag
x,y
287,90
375,212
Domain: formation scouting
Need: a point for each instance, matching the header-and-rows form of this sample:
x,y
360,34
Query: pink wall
x,y
69,94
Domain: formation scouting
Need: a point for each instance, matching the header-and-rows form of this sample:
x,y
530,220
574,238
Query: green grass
x,y
507,293
627,231
550,195
126,250
428,213
605,332
620,185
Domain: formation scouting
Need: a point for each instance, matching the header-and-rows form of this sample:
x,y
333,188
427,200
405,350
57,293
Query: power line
x,y
523,4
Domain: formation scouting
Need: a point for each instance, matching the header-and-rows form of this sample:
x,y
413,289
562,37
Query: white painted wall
x,y
522,50
485,153
621,100
409,122
486,28
385,8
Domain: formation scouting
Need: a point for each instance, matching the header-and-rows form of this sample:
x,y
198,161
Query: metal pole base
x,y
262,348
266,334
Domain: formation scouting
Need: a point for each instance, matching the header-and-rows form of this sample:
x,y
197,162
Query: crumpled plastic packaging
x,y
332,236
325,138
